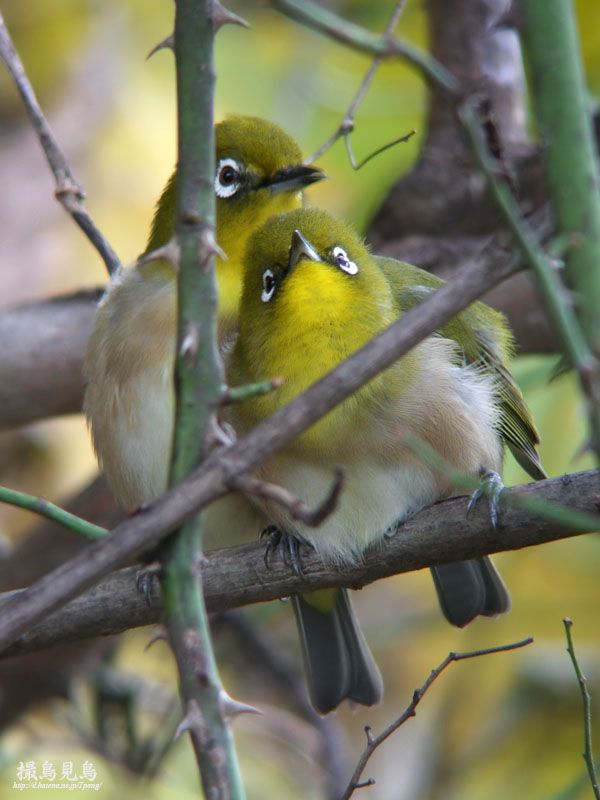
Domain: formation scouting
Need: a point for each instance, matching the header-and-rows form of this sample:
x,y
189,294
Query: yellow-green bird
x,y
129,366
312,295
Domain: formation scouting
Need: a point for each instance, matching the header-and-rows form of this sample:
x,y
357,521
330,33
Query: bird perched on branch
x,y
312,295
130,361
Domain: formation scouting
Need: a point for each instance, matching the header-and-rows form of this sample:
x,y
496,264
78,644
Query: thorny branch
x,y
373,742
238,576
68,192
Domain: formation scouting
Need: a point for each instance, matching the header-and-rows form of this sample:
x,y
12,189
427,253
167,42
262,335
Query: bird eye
x,y
269,283
340,256
227,179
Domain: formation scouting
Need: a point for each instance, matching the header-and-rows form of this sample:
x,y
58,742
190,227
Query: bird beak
x,y
301,247
296,177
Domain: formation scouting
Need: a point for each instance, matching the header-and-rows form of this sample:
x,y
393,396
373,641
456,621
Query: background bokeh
x,y
503,726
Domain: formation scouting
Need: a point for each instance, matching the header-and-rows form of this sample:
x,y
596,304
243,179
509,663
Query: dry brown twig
x,y
296,507
347,125
68,192
373,742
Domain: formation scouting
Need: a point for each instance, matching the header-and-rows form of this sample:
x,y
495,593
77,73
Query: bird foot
x,y
491,486
146,581
290,547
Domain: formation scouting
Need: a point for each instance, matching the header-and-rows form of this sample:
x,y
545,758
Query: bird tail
x,y
337,659
470,588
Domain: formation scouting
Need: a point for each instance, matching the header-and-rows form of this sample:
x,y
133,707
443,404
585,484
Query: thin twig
x,y
373,742
549,284
238,394
296,507
44,508
588,753
68,192
347,125
326,22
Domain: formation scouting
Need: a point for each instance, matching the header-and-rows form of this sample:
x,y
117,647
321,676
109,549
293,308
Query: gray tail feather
x,y
470,588
337,659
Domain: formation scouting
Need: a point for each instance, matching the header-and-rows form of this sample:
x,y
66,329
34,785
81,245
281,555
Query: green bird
x,y
130,360
312,295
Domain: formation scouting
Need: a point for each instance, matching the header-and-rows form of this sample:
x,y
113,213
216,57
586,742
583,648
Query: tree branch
x,y
41,373
328,23
238,576
373,742
68,192
199,378
588,753
561,105
211,480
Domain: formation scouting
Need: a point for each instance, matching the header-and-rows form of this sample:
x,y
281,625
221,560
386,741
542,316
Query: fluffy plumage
x,y
129,366
312,295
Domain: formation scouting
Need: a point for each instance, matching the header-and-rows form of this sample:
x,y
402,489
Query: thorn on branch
x,y
192,721
189,343
166,44
296,507
209,248
223,16
171,252
159,634
230,708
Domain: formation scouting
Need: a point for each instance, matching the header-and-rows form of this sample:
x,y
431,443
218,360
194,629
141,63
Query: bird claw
x,y
290,548
491,485
145,581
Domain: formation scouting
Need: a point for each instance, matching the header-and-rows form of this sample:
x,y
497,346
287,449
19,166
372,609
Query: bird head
x,y
312,295
259,172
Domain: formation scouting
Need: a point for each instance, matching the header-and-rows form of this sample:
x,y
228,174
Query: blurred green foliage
x,y
505,726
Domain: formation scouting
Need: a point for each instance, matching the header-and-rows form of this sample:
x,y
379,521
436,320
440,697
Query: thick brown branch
x,y
41,372
210,481
238,576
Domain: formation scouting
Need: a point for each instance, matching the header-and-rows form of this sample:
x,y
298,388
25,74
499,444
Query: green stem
x,y
45,509
588,754
559,96
199,381
549,284
323,21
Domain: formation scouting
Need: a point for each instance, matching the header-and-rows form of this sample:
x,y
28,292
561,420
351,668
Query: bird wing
x,y
485,340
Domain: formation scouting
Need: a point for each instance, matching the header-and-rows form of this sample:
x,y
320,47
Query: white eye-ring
x,y
227,179
340,256
269,284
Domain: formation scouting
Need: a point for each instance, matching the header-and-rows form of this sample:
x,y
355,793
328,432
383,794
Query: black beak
x,y
290,178
301,247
